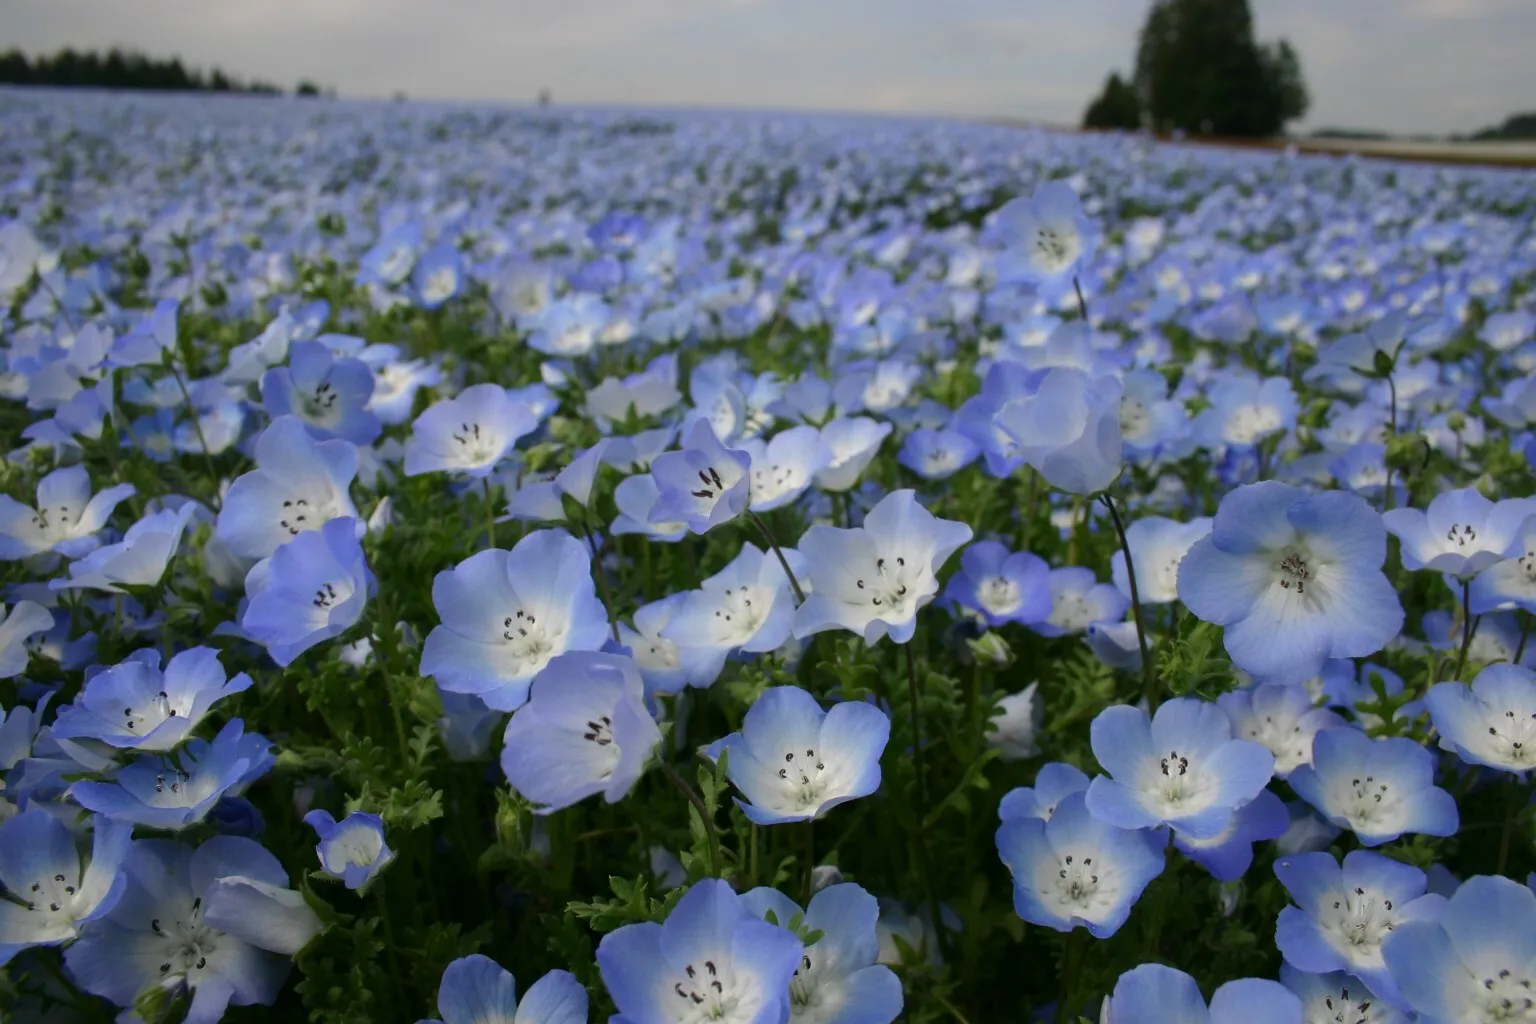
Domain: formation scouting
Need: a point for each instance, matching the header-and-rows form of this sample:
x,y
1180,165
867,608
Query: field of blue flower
x,y
756,568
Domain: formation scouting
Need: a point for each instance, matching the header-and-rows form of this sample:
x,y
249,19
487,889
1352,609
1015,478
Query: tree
x,y
1117,106
1199,69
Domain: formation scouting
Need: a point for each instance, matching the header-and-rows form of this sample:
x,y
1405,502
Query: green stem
x,y
1511,812
197,425
698,805
810,858
490,513
602,583
1148,675
1082,305
783,562
1468,628
1525,634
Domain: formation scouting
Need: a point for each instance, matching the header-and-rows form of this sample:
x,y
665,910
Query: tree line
x,y
127,69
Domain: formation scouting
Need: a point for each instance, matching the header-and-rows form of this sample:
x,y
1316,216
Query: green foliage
x,y
1117,106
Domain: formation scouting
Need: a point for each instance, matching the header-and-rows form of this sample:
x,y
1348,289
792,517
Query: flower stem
x,y
698,805
783,562
1148,676
1082,305
810,857
197,425
602,583
1386,498
490,513
1525,634
914,697
1468,628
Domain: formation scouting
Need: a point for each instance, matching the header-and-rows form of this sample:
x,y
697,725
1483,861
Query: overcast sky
x,y
1398,65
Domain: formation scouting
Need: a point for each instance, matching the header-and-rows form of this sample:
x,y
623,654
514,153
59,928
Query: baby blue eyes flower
x,y
1154,994
438,275
1343,915
1380,789
585,730
937,454
1046,237
1461,532
1183,768
506,614
1282,717
1000,585
1069,429
139,559
135,706
1244,411
711,960
19,624
1073,870
352,849
470,433
1014,727
1474,965
746,606
1335,997
635,497
853,443
1078,600
312,589
872,580
838,980
329,394
1229,855
1158,547
1295,579
1490,723
477,990
1510,583
782,468
299,484
794,762
53,894
1054,783
66,519
702,485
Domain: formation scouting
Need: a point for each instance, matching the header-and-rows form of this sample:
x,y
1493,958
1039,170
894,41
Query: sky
x,y
1432,66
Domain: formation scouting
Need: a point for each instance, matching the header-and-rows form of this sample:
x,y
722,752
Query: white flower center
x,y
1081,884
741,612
772,481
1367,799
528,642
185,945
320,408
1361,920
475,447
1180,785
439,285
707,994
656,652
1506,996
55,523
307,513
1461,535
998,595
52,896
1248,423
1054,249
801,783
1345,1008
1511,734
1071,611
146,714
1285,739
888,588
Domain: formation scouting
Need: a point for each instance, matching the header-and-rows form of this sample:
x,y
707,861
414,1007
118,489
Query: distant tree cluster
x,y
1199,70
126,69
1517,127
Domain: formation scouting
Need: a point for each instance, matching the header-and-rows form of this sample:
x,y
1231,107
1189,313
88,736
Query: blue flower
x,y
66,520
329,394
1073,870
470,433
1338,997
1344,914
1490,723
1158,547
1078,600
1069,429
1461,532
312,589
1053,783
19,624
1475,962
1183,768
1280,716
1046,237
584,730
139,559
838,980
134,705
1510,583
1245,410
794,762
872,580
852,443
352,849
1294,578
173,792
477,990
298,484
1228,856
1154,994
635,497
783,467
667,666
711,959
937,454
52,894
702,485
390,259
746,606
1379,789
438,275
1000,585
506,614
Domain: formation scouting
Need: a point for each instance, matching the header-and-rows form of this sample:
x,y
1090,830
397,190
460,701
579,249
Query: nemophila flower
x,y
352,849
1510,583
18,625
794,762
299,484
665,665
1490,723
477,990
1053,783
1228,855
134,705
66,519
469,433
1149,420
937,454
711,960
390,259
1461,533
903,930
312,589
1245,410
1294,578
545,500
650,392
873,579
1073,870
746,606
1497,637
139,559
1078,600
1343,915
852,444
53,892
150,340
1508,330
1345,361
395,385
568,326
1157,545
172,792
329,394
1474,964
1069,429
1183,768
702,485
635,497
466,726
1046,237
1001,586
1013,728
784,466
506,614
438,275
1154,994
218,923
1338,998
584,730
1280,716
1379,789
838,980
